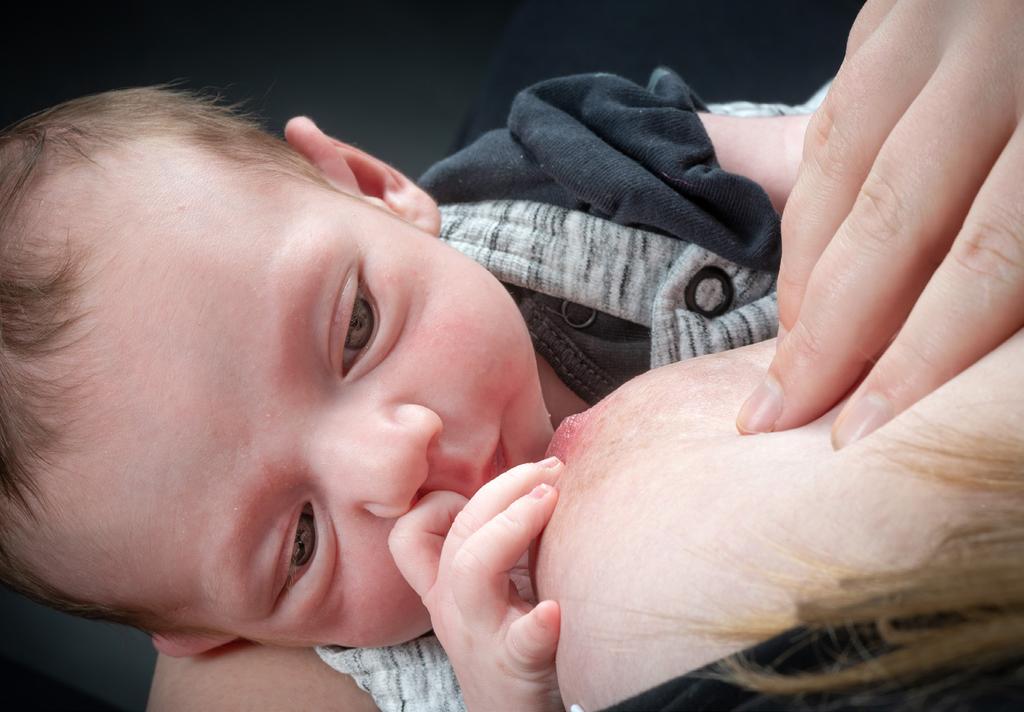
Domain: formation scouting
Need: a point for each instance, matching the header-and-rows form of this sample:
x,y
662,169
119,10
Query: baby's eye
x,y
305,541
360,331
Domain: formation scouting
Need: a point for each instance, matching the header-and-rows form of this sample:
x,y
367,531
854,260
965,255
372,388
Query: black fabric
x,y
638,156
593,357
800,650
778,51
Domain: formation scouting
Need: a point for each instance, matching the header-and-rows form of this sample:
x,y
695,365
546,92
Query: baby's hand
x,y
457,556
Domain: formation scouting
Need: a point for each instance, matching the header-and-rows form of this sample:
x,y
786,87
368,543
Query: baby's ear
x,y
356,172
180,645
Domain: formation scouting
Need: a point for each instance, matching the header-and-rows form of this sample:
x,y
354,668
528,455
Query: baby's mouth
x,y
468,480
498,462
502,458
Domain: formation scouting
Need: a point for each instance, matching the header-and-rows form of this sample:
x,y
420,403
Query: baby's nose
x,y
403,460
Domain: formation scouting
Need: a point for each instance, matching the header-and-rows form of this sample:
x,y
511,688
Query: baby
x,y
228,368
256,374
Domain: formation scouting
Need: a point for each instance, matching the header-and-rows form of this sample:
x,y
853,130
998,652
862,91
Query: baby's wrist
x,y
767,150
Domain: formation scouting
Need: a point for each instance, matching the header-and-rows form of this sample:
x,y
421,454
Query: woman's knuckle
x,y
792,217
879,214
806,344
992,246
789,281
824,145
819,129
908,356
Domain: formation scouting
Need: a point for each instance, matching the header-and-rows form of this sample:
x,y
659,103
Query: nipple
x,y
567,433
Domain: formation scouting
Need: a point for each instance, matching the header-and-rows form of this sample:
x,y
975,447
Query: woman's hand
x,y
903,239
457,556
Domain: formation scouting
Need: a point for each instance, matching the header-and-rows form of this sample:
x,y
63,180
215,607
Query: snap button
x,y
576,316
709,292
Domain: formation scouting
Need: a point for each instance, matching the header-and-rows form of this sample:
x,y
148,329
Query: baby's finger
x,y
417,538
480,580
495,496
533,638
904,220
974,302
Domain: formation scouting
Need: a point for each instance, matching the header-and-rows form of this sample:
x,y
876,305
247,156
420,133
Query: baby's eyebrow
x,y
305,283
245,575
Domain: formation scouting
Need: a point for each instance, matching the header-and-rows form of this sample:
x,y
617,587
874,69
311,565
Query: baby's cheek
x,y
385,611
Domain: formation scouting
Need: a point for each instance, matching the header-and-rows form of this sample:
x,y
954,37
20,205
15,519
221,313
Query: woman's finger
x,y
480,579
868,20
974,302
865,102
417,538
903,222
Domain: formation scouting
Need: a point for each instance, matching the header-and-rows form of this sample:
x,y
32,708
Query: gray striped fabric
x,y
628,273
412,677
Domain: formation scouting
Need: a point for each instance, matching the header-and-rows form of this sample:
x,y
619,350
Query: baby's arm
x,y
246,676
766,149
457,555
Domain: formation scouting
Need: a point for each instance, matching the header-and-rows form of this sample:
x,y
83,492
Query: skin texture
x,y
910,182
670,526
214,411
740,148
217,303
275,679
460,557
354,172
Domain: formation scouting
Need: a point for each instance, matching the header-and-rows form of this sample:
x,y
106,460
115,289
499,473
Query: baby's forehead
x,y
138,185
167,289
81,201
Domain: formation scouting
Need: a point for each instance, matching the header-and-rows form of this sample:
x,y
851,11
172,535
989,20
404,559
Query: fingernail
x,y
762,408
540,491
865,415
549,463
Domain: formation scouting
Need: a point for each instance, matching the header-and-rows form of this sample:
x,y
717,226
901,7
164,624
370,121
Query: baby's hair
x,y
40,282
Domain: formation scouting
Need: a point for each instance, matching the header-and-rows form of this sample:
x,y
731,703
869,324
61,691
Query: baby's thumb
x,y
418,536
533,638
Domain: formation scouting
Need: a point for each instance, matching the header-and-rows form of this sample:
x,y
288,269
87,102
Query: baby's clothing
x,y
573,273
603,301
412,677
603,146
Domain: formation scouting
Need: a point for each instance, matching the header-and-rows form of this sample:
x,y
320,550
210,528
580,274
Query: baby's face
x,y
273,373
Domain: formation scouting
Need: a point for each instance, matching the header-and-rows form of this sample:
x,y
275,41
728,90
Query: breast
x,y
677,542
626,552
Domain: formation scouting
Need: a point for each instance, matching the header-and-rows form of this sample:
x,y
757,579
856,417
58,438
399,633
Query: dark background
x,y
404,80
